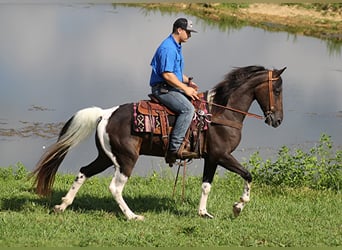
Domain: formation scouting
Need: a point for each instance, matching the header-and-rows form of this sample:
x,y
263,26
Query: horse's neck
x,y
239,100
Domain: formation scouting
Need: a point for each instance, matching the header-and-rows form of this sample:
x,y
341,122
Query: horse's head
x,y
270,97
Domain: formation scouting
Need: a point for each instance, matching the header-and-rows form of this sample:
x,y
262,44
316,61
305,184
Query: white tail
x,y
77,129
82,125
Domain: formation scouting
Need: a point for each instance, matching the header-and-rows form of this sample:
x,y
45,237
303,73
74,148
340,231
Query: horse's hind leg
x,y
116,187
101,163
70,196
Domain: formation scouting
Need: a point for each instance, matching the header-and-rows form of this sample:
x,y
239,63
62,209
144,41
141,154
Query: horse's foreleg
x,y
70,196
208,176
238,206
230,163
202,211
116,187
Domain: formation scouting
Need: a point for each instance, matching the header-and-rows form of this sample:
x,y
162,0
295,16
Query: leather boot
x,y
172,156
185,154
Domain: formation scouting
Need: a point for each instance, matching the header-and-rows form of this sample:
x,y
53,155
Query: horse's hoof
x,y
204,214
207,215
139,218
237,209
58,209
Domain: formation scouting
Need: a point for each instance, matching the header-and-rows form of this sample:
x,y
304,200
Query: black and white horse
x,y
118,145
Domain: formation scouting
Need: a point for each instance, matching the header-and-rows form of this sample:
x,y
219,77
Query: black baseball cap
x,y
184,24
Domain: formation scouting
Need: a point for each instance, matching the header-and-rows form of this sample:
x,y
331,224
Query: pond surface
x,y
57,59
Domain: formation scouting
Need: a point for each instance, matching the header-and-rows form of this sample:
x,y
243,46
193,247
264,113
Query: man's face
x,y
184,35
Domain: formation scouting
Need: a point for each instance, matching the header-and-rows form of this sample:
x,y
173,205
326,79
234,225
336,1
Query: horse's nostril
x,y
279,122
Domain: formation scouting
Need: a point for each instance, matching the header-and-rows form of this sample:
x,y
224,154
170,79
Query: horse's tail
x,y
75,130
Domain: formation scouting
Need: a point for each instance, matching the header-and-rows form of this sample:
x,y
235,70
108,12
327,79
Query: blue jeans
x,y
177,101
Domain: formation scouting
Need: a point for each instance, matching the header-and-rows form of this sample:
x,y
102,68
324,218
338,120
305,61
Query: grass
x,y
276,215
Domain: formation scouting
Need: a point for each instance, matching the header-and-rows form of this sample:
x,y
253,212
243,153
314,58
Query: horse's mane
x,y
232,81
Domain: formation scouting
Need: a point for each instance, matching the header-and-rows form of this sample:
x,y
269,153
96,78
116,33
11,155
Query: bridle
x,y
270,90
271,99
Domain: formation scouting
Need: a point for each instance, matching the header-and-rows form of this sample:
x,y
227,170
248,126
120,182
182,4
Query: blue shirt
x,y
168,58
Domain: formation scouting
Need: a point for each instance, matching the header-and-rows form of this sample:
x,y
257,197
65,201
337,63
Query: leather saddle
x,y
153,107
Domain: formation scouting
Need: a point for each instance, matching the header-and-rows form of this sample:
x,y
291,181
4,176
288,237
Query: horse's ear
x,y
279,72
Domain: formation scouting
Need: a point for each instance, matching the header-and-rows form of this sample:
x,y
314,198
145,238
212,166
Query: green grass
x,y
276,215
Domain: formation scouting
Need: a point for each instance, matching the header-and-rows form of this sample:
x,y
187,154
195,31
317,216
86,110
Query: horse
x,y
229,102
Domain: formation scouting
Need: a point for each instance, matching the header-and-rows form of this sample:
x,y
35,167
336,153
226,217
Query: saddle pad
x,y
149,123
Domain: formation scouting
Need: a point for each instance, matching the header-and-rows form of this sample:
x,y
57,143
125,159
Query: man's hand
x,y
193,85
191,92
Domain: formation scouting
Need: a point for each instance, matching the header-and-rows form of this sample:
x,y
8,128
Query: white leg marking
x,y
70,196
202,210
246,192
238,206
116,187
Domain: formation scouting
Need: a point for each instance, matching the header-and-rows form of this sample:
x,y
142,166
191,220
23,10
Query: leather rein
x,y
239,125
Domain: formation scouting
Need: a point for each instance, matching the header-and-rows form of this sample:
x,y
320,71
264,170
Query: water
x,y
57,59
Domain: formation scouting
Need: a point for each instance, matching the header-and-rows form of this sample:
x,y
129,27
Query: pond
x,y
57,59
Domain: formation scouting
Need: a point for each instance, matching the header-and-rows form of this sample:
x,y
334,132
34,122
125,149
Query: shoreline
x,y
294,19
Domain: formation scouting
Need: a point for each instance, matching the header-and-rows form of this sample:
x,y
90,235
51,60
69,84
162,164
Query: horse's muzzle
x,y
273,120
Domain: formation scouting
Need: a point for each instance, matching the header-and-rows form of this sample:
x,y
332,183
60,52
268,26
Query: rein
x,y
235,110
270,89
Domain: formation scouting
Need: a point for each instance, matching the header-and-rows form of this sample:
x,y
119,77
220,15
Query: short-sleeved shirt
x,y
168,58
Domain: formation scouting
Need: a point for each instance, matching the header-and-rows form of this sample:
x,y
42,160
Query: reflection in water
x,y
67,57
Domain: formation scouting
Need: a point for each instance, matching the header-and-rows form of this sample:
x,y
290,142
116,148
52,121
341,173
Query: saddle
x,y
150,116
153,107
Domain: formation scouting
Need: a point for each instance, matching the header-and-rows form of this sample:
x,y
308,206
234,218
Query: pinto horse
x,y
118,145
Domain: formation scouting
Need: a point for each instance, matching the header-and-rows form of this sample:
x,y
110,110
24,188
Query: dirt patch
x,y
295,19
291,12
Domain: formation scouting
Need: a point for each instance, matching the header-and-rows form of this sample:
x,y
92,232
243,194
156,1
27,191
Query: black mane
x,y
232,81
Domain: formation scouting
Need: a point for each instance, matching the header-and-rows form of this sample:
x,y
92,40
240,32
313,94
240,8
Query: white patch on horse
x,y
103,135
210,97
238,206
246,192
70,196
116,187
202,210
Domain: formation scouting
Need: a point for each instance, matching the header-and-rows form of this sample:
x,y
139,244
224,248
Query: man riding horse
x,y
171,87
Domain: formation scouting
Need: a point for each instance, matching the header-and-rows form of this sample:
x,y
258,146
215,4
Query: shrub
x,y
320,168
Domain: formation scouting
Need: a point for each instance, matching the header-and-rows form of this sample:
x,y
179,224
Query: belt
x,y
161,85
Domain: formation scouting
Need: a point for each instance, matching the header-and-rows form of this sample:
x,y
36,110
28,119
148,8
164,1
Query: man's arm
x,y
172,79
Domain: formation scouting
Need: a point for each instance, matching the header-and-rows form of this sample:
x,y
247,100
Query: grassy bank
x,y
322,20
276,216
300,207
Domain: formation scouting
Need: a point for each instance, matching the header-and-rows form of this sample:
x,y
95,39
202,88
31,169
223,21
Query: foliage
x,y
17,172
318,169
